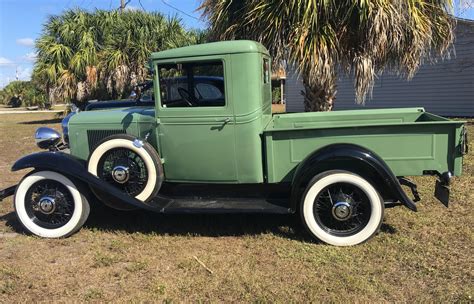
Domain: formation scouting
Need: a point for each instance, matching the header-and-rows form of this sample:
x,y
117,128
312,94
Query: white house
x,y
445,88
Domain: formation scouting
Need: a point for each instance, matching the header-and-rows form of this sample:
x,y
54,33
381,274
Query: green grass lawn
x,y
139,256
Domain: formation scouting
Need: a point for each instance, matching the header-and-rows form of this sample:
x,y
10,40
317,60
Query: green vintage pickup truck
x,y
210,144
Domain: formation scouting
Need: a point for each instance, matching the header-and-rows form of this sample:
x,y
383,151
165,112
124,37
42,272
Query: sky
x,y
21,23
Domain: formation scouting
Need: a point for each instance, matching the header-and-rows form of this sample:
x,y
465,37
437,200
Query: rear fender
x,y
74,167
337,156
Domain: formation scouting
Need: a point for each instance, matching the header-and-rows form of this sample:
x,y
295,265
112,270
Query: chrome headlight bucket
x,y
47,138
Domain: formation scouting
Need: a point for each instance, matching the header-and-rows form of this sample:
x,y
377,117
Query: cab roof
x,y
213,48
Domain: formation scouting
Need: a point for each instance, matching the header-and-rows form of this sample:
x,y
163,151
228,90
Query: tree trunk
x,y
318,98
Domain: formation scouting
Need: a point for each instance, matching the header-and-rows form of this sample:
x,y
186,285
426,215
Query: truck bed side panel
x,y
408,149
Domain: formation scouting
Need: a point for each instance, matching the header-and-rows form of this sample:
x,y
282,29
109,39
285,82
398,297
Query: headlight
x,y
65,126
47,138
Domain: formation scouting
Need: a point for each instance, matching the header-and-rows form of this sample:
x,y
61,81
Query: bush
x,y
23,93
276,95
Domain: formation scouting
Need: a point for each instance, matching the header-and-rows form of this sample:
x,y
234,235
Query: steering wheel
x,y
186,96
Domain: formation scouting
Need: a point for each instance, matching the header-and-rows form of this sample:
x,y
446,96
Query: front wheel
x,y
128,164
341,208
49,205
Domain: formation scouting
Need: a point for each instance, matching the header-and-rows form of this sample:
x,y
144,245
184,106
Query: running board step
x,y
218,205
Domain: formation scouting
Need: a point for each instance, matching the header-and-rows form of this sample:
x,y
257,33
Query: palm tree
x,y
102,54
327,38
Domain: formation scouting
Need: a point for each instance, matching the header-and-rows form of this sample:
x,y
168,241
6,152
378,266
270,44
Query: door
x,y
196,122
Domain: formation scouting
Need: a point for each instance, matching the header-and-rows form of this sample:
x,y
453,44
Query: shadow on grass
x,y
42,122
210,225
388,229
182,224
12,222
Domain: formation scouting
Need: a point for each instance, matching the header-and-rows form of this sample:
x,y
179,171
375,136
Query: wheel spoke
x,y
136,170
62,204
352,204
330,198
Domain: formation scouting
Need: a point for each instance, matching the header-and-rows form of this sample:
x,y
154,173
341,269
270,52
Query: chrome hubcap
x,y
47,205
341,211
120,174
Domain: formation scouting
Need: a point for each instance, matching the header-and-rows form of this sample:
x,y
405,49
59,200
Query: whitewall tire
x,y
121,159
49,205
341,208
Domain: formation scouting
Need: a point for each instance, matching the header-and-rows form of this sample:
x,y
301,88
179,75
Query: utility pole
x,y
122,5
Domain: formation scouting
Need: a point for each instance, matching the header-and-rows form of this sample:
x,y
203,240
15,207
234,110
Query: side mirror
x,y
47,138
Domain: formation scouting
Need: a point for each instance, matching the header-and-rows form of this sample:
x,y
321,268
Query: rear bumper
x,y
7,192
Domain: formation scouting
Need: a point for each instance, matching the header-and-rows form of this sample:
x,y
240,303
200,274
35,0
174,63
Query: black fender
x,y
74,167
338,156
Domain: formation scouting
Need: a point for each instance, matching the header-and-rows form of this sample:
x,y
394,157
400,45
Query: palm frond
x,y
327,37
101,54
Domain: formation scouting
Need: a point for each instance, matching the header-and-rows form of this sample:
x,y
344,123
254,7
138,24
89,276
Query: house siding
x,y
445,88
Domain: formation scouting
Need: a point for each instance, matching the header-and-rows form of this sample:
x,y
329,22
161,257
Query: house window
x,y
196,84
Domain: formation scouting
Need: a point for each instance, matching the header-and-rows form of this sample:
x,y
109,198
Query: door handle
x,y
225,120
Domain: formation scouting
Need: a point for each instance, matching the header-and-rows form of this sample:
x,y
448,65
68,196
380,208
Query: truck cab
x,y
206,139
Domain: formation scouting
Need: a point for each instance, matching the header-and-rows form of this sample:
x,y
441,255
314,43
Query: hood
x,y
123,116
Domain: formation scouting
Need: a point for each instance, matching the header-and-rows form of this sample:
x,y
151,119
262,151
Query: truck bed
x,y
409,140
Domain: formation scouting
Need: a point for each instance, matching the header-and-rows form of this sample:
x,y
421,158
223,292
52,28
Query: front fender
x,y
55,161
333,154
72,166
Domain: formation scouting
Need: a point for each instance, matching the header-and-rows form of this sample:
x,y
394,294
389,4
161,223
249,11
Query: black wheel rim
x,y
49,204
137,175
342,209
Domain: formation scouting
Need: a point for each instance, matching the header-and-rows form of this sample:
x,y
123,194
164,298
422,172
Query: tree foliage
x,y
25,91
327,37
98,55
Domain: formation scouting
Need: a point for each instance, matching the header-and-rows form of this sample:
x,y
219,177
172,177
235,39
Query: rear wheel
x,y
48,204
128,164
341,208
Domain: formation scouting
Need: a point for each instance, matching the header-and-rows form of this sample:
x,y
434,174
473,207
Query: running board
x,y
217,205
7,192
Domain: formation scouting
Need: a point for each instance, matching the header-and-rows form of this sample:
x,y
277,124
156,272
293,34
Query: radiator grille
x,y
95,136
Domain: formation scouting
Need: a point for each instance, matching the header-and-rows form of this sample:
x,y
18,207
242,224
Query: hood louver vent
x,y
94,137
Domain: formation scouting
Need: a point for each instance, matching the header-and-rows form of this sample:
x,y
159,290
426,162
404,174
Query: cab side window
x,y
197,84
